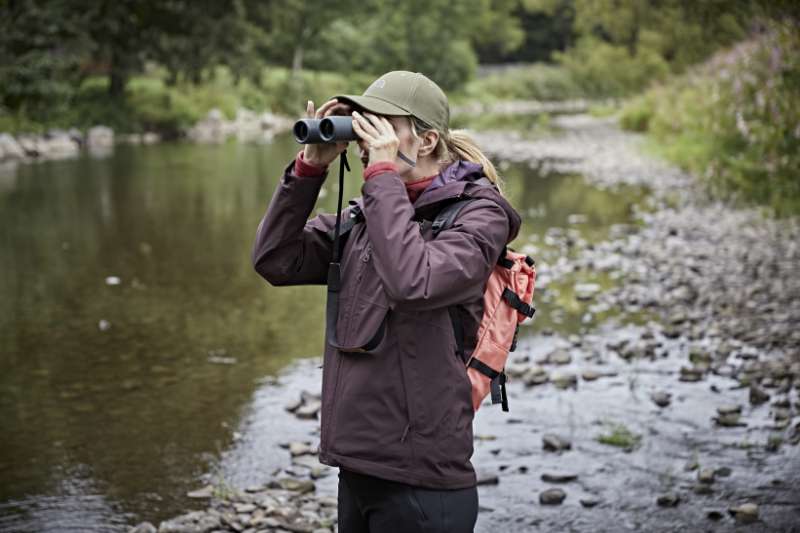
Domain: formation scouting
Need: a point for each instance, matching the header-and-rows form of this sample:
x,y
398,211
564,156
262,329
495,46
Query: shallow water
x,y
118,398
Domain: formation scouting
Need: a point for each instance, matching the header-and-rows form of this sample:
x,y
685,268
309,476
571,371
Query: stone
x,y
661,398
193,522
549,477
536,375
487,479
746,513
559,356
245,508
205,492
589,502
729,420
301,448
591,375
100,137
552,496
295,485
714,514
586,291
729,409
564,380
554,443
10,149
706,475
144,527
690,374
309,410
669,499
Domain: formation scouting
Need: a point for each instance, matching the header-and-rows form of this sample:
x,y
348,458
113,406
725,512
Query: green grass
x,y
620,436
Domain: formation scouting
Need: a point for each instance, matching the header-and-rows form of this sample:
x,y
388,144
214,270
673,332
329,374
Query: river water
x,y
135,336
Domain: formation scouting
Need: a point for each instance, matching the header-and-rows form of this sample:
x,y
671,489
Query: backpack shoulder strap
x,y
445,218
356,216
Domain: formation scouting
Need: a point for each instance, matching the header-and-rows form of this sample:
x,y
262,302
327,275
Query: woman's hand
x,y
323,154
379,135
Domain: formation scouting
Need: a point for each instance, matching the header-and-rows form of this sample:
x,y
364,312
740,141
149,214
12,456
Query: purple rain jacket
x,y
403,410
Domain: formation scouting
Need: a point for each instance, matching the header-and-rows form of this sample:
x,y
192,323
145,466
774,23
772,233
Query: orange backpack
x,y
506,303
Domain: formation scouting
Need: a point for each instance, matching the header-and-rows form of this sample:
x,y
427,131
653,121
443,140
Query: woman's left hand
x,y
379,135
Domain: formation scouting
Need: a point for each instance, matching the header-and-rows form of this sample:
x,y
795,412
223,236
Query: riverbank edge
x,y
587,151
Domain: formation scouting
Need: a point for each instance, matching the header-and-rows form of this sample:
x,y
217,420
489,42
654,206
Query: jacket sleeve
x,y
289,249
420,274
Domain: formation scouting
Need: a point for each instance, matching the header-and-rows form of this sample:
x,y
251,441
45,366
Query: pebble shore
x,y
687,421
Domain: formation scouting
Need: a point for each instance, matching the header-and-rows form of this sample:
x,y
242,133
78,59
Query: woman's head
x,y
420,114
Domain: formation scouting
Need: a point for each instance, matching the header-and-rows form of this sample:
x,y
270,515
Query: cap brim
x,y
373,104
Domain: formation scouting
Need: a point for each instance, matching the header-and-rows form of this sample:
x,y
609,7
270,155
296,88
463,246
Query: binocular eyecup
x,y
331,129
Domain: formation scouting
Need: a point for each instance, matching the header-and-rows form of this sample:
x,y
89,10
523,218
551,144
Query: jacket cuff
x,y
377,168
302,169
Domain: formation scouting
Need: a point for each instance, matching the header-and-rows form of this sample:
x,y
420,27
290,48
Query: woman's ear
x,y
429,141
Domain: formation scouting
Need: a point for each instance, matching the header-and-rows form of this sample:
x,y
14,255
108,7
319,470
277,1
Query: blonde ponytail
x,y
457,145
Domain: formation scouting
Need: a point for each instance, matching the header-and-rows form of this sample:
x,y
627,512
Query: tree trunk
x,y
297,60
117,82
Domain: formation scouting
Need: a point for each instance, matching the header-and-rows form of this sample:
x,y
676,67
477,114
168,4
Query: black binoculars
x,y
337,128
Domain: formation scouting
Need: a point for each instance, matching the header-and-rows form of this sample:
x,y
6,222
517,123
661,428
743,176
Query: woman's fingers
x,y
361,132
375,121
366,124
325,107
310,109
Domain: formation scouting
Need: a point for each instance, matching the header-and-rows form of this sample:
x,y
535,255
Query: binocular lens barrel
x,y
326,130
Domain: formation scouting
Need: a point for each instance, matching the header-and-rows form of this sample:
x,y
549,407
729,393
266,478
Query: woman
x,y
396,401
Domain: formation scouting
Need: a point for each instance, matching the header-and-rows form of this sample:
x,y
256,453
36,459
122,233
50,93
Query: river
x,y
136,340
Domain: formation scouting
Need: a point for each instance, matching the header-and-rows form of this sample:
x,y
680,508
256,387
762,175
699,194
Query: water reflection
x,y
141,382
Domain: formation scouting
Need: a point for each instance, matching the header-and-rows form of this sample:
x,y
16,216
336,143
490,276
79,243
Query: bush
x,y
602,70
529,82
734,120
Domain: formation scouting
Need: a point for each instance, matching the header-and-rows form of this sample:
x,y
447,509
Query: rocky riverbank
x,y
678,413
246,126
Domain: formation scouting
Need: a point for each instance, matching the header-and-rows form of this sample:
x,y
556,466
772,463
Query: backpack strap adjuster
x,y
514,301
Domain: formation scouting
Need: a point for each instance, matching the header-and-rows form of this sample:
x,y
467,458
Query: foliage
x,y
537,81
620,436
602,69
734,120
151,103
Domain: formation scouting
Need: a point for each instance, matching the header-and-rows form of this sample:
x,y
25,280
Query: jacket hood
x,y
461,177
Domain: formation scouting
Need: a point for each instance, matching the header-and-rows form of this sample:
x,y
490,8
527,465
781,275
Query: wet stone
x,y
729,409
589,502
554,443
552,496
294,485
669,499
536,375
714,514
706,475
549,477
144,527
729,420
586,291
661,398
559,356
591,375
564,380
309,410
746,513
703,489
690,374
205,492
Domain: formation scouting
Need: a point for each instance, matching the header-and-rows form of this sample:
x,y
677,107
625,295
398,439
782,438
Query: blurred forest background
x,y
715,83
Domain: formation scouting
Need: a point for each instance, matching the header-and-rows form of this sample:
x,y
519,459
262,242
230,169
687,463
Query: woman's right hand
x,y
323,154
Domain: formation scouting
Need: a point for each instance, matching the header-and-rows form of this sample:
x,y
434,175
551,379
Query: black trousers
x,y
372,505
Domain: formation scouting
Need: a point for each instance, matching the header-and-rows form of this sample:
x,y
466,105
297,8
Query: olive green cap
x,y
405,93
